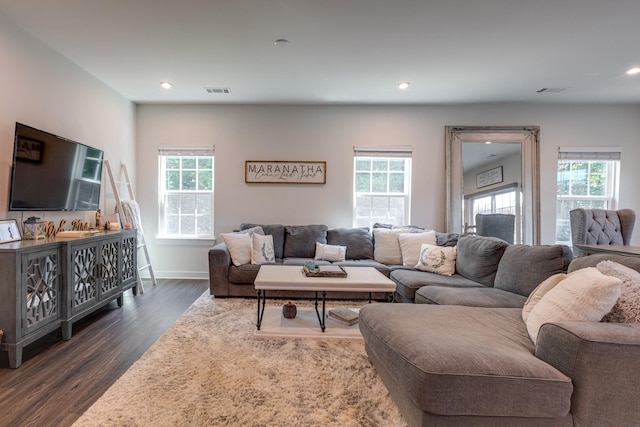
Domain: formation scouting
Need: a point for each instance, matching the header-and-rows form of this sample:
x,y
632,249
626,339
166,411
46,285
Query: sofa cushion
x,y
585,295
472,297
359,241
478,258
300,240
275,230
409,281
455,360
411,243
524,267
383,268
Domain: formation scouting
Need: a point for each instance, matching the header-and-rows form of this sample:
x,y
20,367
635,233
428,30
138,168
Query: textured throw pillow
x,y
536,295
386,245
262,249
586,295
330,252
627,308
437,259
410,245
239,246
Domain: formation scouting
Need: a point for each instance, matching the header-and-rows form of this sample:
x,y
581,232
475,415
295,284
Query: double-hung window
x,y
382,186
587,178
186,192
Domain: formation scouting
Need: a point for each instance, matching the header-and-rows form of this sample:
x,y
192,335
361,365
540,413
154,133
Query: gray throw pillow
x,y
478,258
359,241
300,240
524,267
275,230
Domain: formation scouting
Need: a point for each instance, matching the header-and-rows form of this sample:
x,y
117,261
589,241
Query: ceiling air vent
x,y
551,90
217,90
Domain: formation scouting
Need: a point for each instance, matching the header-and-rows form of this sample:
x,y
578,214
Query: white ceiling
x,y
347,51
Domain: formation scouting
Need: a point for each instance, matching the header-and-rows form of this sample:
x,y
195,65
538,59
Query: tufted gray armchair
x,y
601,227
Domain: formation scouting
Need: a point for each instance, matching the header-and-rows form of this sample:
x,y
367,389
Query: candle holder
x,y
34,228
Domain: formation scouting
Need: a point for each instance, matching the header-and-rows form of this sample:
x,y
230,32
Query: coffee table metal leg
x,y
264,302
321,318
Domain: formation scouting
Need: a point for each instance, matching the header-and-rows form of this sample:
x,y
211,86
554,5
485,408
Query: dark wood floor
x,y
59,380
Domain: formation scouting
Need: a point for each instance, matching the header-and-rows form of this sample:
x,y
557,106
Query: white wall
x,y
41,88
275,132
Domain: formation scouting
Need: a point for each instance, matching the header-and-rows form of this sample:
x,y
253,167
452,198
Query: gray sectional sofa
x,y
455,365
482,277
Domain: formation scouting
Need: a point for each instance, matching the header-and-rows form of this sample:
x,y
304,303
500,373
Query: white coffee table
x,y
292,278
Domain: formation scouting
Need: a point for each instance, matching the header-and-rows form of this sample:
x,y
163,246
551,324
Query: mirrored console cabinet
x,y
52,283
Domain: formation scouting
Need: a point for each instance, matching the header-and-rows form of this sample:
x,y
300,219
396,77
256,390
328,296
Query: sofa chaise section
x,y
455,365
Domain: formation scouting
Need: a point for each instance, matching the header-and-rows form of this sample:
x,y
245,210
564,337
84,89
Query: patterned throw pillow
x,y
262,249
330,252
437,259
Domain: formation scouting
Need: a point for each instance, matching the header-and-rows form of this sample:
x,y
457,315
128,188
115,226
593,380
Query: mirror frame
x,y
530,143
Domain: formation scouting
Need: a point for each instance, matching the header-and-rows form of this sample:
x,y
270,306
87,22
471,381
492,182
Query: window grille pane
x,y
379,182
379,165
396,183
205,163
363,182
188,163
172,162
188,180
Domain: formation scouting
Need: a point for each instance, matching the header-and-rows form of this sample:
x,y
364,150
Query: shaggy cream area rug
x,y
208,369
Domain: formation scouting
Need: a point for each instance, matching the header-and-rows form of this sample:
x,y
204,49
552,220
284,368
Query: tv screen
x,y
51,173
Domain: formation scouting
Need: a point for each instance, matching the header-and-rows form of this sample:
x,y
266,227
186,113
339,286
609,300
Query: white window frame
x,y
588,154
395,152
164,152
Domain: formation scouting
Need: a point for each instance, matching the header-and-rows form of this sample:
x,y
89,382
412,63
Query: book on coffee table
x,y
344,315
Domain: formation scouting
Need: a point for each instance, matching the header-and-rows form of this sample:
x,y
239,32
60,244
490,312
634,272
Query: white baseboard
x,y
201,275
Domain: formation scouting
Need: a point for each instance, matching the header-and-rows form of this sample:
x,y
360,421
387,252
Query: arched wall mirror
x,y
493,170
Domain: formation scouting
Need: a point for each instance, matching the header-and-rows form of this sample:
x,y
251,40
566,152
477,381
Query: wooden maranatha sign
x,y
285,172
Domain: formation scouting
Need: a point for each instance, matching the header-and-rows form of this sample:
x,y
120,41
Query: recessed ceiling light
x,y
281,43
403,85
634,70
166,85
487,142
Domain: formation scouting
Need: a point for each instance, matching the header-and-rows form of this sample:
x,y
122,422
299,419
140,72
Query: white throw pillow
x,y
262,249
330,252
437,259
410,244
585,295
387,248
239,246
627,308
536,295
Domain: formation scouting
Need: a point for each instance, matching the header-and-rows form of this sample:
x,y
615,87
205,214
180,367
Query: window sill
x,y
183,241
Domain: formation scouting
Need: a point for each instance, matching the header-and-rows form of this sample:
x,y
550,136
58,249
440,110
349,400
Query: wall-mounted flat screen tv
x,y
51,173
